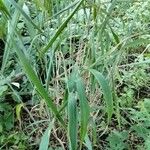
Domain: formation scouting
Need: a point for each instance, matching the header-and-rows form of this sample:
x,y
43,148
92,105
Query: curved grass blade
x,y
45,138
72,121
106,92
60,29
36,82
85,111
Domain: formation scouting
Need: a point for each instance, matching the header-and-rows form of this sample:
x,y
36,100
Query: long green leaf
x,y
36,82
106,91
72,121
83,106
60,29
88,143
45,138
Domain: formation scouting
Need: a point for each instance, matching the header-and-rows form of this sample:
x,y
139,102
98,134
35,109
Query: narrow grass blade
x,y
60,29
45,138
88,143
65,9
11,26
49,70
25,15
4,9
72,80
116,37
36,82
83,106
106,19
72,121
65,101
106,92
48,5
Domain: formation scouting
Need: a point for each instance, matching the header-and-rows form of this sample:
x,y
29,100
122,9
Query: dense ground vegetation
x,y
75,74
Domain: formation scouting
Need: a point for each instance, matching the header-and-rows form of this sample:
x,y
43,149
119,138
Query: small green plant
x,y
117,141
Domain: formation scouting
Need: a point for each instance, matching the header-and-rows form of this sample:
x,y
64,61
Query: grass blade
x,y
73,122
25,15
4,9
83,106
88,143
60,29
11,26
36,82
116,37
45,138
106,92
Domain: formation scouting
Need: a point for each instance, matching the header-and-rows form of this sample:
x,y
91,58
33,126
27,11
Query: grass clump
x,y
74,74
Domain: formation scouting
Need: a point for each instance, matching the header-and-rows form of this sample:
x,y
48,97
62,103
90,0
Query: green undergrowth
x,y
74,75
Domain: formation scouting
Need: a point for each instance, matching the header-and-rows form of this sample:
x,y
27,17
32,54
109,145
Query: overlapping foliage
x,y
74,74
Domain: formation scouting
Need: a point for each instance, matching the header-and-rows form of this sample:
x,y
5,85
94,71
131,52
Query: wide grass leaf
x,y
11,26
45,138
73,121
83,106
107,92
